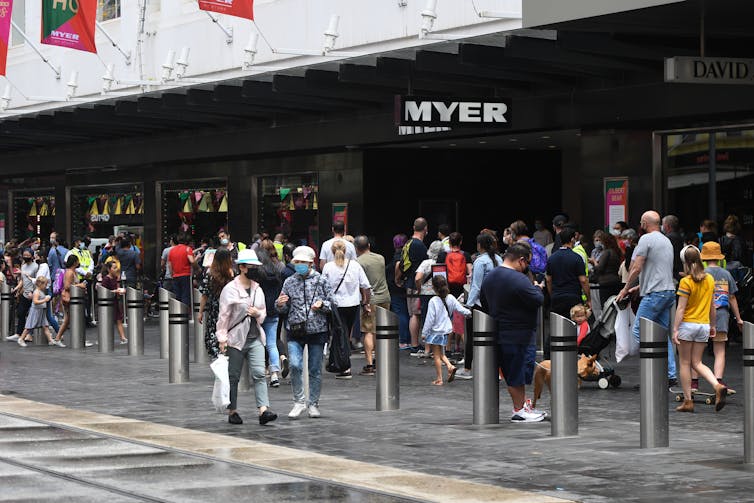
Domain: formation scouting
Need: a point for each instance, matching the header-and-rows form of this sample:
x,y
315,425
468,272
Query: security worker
x,y
85,271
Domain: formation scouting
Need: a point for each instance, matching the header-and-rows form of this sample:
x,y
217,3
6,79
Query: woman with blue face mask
x,y
305,298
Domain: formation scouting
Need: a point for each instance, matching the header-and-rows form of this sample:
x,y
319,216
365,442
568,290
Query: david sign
x,y
439,112
690,70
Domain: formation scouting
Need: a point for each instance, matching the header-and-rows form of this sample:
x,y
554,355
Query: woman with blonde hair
x,y
350,288
693,325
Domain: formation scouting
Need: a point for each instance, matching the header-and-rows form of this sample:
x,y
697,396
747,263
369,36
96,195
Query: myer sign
x,y
709,70
439,112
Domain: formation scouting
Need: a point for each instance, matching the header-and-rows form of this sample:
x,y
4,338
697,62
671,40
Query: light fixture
x,y
512,139
494,14
482,142
552,146
429,15
108,79
168,66
331,34
402,3
250,51
73,84
182,63
545,137
328,47
451,144
5,99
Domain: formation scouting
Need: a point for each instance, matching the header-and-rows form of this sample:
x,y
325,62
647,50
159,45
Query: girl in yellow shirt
x,y
694,323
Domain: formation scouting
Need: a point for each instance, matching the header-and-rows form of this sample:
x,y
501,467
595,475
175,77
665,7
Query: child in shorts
x,y
437,325
725,302
693,325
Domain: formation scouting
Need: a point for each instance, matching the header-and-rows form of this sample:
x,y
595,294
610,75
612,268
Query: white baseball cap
x,y
304,254
248,257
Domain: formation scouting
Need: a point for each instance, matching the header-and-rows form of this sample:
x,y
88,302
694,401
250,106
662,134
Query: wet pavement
x,y
431,433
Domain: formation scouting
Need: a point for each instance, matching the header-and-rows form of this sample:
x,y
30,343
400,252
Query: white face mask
x,y
615,232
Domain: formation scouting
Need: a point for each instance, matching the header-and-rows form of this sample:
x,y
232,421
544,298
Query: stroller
x,y
598,339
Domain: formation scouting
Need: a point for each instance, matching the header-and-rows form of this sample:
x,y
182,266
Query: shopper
x,y
398,294
326,254
182,259
239,330
374,268
44,271
693,325
111,281
220,274
268,277
37,317
305,298
25,288
70,279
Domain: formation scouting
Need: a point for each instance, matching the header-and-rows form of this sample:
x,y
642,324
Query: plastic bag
x,y
221,389
625,343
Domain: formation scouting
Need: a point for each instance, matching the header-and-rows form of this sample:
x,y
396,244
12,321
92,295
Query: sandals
x,y
452,374
438,382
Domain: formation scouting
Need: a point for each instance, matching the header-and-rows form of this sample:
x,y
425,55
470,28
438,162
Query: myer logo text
x,y
434,112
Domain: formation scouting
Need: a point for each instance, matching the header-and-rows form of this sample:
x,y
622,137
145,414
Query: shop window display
x,y
290,205
201,212
100,215
34,215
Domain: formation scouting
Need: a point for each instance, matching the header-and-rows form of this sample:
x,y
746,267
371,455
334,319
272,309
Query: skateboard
x,y
709,398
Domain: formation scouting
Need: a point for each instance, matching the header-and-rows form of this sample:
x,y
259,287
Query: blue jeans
x,y
656,306
399,307
270,327
253,353
50,318
296,359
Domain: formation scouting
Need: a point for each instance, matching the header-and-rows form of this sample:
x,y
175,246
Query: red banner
x,y
6,7
238,8
69,23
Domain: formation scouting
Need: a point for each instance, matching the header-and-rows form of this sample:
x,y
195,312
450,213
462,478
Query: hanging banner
x,y
69,23
6,7
340,214
616,201
238,8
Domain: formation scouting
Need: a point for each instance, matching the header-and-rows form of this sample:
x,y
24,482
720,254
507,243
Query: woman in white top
x,y
350,287
44,271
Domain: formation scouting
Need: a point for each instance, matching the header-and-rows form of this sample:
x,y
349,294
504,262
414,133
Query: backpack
x,y
538,263
58,282
405,264
456,264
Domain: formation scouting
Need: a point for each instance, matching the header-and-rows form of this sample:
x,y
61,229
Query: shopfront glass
x,y
34,214
200,210
108,211
289,205
687,177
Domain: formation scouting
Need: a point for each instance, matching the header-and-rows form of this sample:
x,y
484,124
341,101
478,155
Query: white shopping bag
x,y
221,389
625,343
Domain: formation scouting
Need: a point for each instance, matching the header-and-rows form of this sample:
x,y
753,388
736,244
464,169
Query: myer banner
x,y
69,23
238,8
6,7
438,112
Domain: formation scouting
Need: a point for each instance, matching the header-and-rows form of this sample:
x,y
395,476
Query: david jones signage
x,y
439,112
709,70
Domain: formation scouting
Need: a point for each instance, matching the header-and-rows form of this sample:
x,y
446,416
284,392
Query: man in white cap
x,y
305,298
239,330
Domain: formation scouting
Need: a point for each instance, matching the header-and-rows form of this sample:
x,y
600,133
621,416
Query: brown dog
x,y
586,368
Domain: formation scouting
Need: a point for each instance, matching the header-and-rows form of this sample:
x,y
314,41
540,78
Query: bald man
x,y
652,263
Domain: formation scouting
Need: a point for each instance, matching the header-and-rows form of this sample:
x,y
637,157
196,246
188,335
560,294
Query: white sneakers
x,y
297,410
527,414
13,337
464,374
314,411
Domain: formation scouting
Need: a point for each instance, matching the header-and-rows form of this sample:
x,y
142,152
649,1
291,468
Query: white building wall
x,y
366,27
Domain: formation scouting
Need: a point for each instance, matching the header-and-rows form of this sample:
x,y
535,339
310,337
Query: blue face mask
x,y
301,269
82,246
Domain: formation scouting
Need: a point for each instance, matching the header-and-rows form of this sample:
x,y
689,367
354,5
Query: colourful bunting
x,y
33,210
106,207
284,193
237,8
6,8
69,23
223,205
118,207
94,210
291,204
44,210
315,205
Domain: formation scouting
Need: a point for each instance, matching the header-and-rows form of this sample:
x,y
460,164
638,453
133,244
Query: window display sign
x,y
34,215
616,201
289,205
340,214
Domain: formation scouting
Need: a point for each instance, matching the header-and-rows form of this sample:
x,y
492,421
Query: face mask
x,y
598,244
254,274
615,232
35,246
301,269
82,246
27,259
53,242
224,242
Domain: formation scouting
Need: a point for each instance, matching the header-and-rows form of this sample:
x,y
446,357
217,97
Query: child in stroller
x,y
598,339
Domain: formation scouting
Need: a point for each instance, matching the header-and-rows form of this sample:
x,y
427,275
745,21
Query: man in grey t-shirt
x,y
652,262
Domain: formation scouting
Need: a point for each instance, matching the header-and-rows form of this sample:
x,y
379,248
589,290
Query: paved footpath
x,y
352,453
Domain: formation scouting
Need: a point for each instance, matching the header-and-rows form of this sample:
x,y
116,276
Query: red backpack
x,y
456,264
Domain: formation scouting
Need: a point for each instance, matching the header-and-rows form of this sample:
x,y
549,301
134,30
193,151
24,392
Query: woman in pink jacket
x,y
239,329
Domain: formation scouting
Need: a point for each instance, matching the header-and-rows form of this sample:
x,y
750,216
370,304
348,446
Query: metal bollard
x,y
77,317
105,318
748,392
5,297
135,330
653,354
200,352
386,349
564,377
486,398
178,362
163,305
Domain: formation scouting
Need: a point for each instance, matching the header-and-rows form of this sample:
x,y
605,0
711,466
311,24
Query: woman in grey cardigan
x,y
305,297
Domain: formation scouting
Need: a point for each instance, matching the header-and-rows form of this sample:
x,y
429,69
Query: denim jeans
x,y
270,327
398,306
253,352
50,318
656,306
296,357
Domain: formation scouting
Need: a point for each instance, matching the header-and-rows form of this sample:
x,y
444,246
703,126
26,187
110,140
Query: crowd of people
x,y
251,294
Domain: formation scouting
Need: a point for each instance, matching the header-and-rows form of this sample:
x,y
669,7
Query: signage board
x,y
445,112
690,70
616,200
